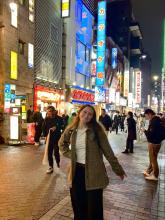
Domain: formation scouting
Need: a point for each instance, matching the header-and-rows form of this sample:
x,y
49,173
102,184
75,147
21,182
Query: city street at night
x,y
82,110
27,192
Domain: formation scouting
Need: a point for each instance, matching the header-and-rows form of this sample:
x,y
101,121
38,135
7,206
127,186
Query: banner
x,y
138,87
101,43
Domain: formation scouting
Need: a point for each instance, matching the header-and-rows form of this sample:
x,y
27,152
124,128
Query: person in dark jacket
x,y
38,120
154,137
131,133
30,114
105,121
122,119
53,124
117,120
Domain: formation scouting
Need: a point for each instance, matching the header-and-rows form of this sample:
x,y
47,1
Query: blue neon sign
x,y
114,58
101,41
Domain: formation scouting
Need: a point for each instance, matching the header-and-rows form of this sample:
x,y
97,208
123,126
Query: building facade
x,y
16,65
48,75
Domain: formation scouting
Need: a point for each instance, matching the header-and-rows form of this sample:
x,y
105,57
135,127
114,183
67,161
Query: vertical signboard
x,y
65,8
138,87
101,41
126,83
13,71
114,58
117,98
130,99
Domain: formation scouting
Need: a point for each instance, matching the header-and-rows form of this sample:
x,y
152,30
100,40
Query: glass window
x,y
13,65
22,2
31,10
14,14
87,54
30,55
21,47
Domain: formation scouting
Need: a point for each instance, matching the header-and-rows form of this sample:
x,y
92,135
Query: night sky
x,y
150,14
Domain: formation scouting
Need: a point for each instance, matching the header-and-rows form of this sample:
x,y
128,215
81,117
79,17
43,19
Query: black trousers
x,y
117,127
38,132
87,205
53,148
129,145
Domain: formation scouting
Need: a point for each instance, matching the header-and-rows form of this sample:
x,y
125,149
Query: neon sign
x,y
82,95
101,38
114,58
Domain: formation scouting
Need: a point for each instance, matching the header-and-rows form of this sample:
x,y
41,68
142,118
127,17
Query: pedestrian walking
x,y
30,114
53,126
154,137
131,134
88,174
116,122
122,119
65,119
106,121
38,120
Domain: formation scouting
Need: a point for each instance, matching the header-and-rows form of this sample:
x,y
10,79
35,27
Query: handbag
x,y
45,158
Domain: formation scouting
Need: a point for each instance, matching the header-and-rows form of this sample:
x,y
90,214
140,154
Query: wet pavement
x,y
27,193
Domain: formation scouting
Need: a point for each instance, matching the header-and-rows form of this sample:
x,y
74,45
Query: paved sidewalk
x,y
133,199
27,193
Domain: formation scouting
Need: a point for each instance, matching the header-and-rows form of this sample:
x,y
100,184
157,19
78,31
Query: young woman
x,y
88,145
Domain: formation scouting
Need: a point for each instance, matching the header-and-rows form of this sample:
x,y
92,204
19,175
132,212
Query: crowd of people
x,y
84,140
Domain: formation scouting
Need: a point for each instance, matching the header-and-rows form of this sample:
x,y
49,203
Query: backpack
x,y
162,129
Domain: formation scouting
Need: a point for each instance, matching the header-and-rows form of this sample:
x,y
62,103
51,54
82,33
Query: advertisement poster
x,y
100,94
30,133
138,88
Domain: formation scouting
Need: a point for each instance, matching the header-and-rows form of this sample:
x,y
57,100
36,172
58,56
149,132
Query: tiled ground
x,y
27,193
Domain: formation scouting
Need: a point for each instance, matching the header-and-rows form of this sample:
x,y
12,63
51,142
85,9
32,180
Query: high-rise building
x,y
16,63
48,55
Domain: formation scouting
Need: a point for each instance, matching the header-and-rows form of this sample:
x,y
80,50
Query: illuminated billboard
x,y
101,41
84,35
14,71
114,58
138,87
100,94
65,8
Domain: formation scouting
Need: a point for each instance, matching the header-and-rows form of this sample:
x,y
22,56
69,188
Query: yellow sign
x,y
65,8
14,71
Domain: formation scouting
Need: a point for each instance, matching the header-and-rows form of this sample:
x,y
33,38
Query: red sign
x,y
138,87
81,95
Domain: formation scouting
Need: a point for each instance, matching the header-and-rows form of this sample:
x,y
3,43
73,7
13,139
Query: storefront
x,y
13,103
78,96
44,97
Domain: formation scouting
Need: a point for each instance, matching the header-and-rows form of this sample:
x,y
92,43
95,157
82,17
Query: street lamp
x,y
144,56
155,78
